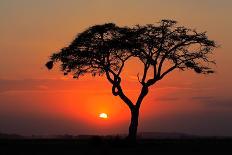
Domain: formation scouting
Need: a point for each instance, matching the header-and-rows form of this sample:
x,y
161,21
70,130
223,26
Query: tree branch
x,y
146,67
124,97
143,93
117,89
182,44
109,78
167,71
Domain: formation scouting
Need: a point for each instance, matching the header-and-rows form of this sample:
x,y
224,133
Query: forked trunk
x,y
133,125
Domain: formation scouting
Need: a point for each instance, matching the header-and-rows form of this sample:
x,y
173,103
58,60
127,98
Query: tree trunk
x,y
133,125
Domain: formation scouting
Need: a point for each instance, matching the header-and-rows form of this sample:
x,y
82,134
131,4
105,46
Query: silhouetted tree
x,y
162,48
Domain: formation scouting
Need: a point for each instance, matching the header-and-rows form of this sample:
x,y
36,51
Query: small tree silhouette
x,y
162,48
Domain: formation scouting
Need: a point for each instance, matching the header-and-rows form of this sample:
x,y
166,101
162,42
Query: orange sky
x,y
34,100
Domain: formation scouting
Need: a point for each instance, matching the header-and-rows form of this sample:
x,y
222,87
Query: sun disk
x,y
103,115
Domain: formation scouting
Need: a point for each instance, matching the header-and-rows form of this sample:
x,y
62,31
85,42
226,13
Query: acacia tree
x,y
162,48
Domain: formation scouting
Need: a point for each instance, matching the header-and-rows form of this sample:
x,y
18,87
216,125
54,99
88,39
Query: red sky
x,y
34,100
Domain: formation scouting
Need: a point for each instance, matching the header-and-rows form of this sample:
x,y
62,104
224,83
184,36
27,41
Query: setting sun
x,y
103,115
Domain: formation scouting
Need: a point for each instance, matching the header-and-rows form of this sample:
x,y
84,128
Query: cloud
x,y
220,103
203,98
33,85
205,122
215,101
167,98
42,87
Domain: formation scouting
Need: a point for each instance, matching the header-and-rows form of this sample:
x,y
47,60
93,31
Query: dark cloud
x,y
27,84
220,103
214,101
26,124
204,122
47,84
203,98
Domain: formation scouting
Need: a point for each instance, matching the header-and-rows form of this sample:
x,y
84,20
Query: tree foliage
x,y
96,50
183,48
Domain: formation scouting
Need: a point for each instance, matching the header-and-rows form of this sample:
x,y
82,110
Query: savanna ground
x,y
103,146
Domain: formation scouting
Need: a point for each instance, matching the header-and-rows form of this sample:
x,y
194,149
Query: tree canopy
x,y
99,49
106,47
